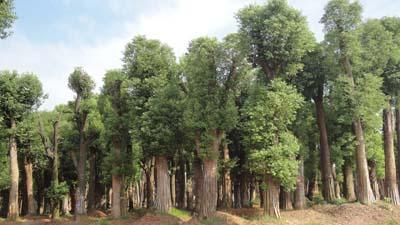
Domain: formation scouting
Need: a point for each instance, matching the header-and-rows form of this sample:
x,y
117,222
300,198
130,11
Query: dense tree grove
x,y
265,116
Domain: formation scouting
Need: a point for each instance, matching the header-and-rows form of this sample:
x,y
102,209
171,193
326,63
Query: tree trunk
x,y
117,180
197,174
92,183
163,190
337,184
180,184
173,186
374,179
55,208
208,197
226,180
236,193
349,181
391,188
398,142
149,188
80,208
13,208
328,190
271,197
29,187
299,194
365,194
244,190
285,199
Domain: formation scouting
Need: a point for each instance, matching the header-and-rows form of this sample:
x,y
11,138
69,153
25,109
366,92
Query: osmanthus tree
x,y
20,95
163,125
7,17
147,63
210,112
277,37
341,19
379,48
311,81
115,114
272,145
82,84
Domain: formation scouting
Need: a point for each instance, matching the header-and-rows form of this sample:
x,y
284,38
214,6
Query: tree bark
x,y
398,142
299,194
13,207
172,181
392,190
197,174
328,190
29,187
271,197
80,207
180,184
349,181
55,208
208,197
92,183
163,190
244,190
117,180
226,180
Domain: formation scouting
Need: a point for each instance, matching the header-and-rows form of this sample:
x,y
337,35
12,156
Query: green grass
x,y
182,214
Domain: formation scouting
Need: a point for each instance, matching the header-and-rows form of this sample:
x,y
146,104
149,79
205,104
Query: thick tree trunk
x,y
271,197
149,188
391,188
163,190
29,187
226,181
55,208
236,193
299,194
173,186
398,142
365,194
313,188
328,190
349,181
208,197
197,175
337,184
80,207
13,208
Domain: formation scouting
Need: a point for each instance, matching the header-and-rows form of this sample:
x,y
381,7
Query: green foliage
x,y
80,82
20,94
57,192
7,17
273,148
4,166
278,36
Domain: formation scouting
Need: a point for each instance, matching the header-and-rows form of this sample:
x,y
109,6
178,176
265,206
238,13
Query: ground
x,y
345,214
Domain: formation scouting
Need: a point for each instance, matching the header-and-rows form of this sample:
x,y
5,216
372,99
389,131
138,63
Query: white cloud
x,y
173,22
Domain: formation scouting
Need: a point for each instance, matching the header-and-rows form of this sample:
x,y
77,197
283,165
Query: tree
x,y
210,112
115,113
7,17
273,147
21,94
278,37
81,83
341,18
147,63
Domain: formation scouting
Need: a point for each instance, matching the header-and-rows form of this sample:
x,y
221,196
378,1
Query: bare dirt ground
x,y
345,214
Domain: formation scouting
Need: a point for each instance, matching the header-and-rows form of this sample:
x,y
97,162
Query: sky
x,y
52,37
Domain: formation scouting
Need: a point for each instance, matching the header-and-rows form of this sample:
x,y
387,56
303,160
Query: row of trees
x,y
266,114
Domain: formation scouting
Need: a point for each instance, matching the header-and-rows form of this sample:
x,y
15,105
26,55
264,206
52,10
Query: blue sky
x,y
51,37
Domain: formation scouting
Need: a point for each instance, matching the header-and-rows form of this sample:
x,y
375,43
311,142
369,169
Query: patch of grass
x,y
102,222
213,221
339,201
182,214
392,222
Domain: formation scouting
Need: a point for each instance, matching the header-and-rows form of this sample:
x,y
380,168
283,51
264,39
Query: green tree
x,y
7,17
21,94
341,19
81,83
273,147
210,112
115,113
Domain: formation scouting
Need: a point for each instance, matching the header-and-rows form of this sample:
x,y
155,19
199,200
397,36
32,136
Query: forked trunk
x,y
163,190
328,190
13,208
271,197
391,188
299,194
